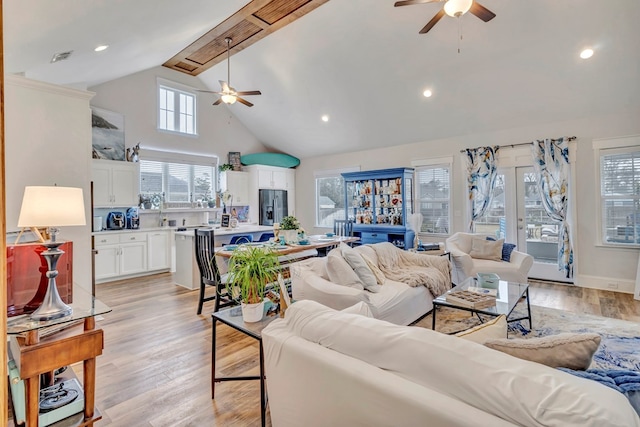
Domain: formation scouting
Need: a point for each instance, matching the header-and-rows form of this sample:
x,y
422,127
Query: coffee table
x,y
509,295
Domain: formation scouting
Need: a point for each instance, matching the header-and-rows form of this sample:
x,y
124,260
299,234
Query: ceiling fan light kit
x,y
456,8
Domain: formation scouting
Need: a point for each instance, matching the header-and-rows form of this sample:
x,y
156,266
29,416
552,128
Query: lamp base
x,y
52,306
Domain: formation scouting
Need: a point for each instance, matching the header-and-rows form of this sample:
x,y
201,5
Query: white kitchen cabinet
x,y
159,250
237,184
271,177
120,254
115,183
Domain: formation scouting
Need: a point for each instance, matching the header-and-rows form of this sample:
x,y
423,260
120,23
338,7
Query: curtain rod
x,y
570,138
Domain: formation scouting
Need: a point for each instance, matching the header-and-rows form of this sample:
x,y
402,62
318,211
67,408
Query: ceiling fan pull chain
x,y
459,32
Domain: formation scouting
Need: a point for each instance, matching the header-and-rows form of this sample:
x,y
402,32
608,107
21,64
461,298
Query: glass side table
x,y
42,346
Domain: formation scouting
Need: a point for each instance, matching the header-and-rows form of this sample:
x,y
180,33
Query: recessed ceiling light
x,y
101,48
427,93
586,54
325,118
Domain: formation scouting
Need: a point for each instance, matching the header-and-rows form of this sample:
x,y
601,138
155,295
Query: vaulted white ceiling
x,y
362,62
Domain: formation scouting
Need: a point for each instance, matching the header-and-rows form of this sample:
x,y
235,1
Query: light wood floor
x,y
155,369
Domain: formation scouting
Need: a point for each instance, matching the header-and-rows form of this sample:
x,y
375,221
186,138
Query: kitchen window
x,y
176,110
619,176
433,194
178,184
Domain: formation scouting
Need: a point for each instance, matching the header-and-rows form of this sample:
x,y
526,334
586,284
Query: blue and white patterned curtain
x,y
481,179
551,163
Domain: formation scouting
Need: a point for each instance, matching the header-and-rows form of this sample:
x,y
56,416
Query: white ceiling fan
x,y
229,95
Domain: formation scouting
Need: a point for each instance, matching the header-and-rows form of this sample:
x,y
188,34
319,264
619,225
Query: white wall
x,y
596,266
135,96
48,141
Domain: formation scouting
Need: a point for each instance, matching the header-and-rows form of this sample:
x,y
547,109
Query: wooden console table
x,y
35,355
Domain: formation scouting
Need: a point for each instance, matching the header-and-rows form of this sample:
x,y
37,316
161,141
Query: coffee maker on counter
x,y
133,219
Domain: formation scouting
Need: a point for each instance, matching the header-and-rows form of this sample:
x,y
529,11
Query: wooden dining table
x,y
315,242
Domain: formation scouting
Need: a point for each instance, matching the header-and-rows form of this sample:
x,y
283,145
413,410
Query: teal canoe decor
x,y
270,159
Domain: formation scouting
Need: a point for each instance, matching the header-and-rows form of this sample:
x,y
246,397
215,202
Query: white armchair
x,y
459,245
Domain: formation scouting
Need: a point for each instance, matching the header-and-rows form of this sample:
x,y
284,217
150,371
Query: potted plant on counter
x,y
251,268
289,229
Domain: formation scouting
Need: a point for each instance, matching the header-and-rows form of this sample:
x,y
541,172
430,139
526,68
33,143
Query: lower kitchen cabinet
x,y
131,253
159,250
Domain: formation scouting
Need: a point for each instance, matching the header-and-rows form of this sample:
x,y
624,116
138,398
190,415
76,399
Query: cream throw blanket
x,y
414,269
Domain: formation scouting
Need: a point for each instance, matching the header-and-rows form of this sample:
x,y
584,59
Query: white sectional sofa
x,y
394,301
329,368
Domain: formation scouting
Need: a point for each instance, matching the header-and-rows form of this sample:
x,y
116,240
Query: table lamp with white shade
x,y
51,207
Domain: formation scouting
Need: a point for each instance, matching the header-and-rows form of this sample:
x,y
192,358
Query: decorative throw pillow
x,y
507,248
340,272
494,329
486,249
360,267
567,350
380,277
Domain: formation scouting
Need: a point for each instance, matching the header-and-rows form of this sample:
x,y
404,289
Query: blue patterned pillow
x,y
507,248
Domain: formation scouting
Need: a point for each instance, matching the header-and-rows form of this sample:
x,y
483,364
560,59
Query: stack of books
x,y
470,299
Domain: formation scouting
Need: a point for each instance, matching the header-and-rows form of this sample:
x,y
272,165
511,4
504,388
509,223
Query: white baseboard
x,y
606,284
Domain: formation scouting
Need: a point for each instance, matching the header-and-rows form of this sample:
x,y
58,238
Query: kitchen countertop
x,y
128,230
230,231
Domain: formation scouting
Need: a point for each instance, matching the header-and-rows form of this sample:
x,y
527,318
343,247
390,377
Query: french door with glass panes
x,y
517,215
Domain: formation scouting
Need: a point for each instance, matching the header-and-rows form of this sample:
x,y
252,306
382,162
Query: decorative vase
x,y
290,236
252,312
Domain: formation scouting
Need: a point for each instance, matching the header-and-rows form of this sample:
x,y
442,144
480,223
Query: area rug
x,y
619,348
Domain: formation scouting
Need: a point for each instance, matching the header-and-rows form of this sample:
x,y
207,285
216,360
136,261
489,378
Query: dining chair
x,y
241,238
264,237
343,227
209,272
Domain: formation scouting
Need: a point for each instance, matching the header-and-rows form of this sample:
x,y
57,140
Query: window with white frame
x,y
176,110
330,196
179,183
620,195
433,196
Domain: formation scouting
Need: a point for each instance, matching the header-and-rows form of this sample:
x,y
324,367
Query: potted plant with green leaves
x,y
289,226
250,269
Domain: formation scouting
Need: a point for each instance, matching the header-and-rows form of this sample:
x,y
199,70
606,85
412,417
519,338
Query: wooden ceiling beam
x,y
253,22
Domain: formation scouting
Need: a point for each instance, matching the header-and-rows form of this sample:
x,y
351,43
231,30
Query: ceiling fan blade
x,y
410,2
433,22
482,12
244,101
207,91
225,86
249,92
217,102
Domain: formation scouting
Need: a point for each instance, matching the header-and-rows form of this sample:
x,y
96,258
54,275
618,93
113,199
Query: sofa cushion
x,y
507,248
359,308
340,272
521,392
486,249
567,350
494,329
360,267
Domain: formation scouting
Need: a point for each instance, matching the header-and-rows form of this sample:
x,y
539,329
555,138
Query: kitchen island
x,y
186,271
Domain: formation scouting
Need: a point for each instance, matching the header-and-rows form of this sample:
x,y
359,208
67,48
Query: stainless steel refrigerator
x,y
273,206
